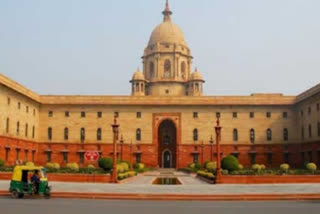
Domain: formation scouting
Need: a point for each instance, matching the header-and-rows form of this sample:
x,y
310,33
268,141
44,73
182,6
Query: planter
x,y
89,178
269,179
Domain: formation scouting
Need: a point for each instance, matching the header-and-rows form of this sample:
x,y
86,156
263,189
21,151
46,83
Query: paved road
x,y
73,206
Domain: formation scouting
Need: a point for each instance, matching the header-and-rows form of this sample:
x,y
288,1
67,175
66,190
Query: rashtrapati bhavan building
x,y
165,122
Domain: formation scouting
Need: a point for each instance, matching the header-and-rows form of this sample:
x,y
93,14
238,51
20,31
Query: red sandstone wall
x,y
149,152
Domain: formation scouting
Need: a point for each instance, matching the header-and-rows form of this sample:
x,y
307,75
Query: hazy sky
x,y
94,46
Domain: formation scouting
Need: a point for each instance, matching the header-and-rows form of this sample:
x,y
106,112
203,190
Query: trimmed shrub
x,y
125,166
90,166
73,167
197,166
284,167
56,166
240,166
105,163
263,167
312,167
53,166
192,166
1,163
210,175
205,164
230,163
257,167
211,166
120,168
132,173
29,163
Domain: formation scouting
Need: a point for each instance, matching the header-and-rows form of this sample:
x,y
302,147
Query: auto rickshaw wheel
x,y
14,194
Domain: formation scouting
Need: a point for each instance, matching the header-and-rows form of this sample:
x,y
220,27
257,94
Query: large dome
x,y
167,31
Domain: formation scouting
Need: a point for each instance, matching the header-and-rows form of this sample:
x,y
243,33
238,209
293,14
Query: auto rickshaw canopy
x,y
17,171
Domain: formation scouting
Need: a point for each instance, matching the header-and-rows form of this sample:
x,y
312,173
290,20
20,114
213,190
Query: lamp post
x,y
121,147
218,138
115,129
131,155
202,146
211,149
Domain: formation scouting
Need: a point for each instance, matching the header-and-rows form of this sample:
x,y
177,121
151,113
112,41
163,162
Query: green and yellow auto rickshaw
x,y
24,181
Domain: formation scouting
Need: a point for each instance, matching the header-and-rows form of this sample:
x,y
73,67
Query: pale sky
x,y
93,46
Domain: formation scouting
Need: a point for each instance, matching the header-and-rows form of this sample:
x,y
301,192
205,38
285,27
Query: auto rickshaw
x,y
21,182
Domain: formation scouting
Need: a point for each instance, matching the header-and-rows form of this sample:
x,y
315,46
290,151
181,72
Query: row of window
x,y
83,114
19,106
83,134
310,131
235,114
310,109
26,130
252,135
26,152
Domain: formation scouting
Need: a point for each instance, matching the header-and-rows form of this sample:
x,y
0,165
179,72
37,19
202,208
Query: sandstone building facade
x,y
166,122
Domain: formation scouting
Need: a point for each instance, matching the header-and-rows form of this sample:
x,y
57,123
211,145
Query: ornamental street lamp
x,y
115,129
211,149
121,147
218,138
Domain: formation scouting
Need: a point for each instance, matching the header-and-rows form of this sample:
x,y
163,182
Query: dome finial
x,y
167,12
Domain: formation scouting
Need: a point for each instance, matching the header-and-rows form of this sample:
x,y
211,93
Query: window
x,y
17,154
34,112
116,114
270,155
66,114
310,131
235,135
251,114
48,156
318,129
33,132
195,158
27,109
309,110
81,157
50,114
218,115
195,114
7,154
19,105
49,133
302,132
235,115
310,156
83,114
99,134
285,134
18,127
8,125
151,67
99,114
301,113
66,133
269,135
167,69
183,70
268,114
8,100
286,157
285,115
26,130
82,134
138,158
65,157
252,136
253,158
167,91
195,135
33,154
138,114
138,134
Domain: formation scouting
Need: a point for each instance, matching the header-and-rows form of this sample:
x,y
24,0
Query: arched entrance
x,y
167,144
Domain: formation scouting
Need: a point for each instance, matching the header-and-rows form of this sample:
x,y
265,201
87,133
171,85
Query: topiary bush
x,y
53,166
74,167
312,167
125,166
256,167
211,166
1,163
230,163
240,167
284,167
120,168
105,163
90,166
205,164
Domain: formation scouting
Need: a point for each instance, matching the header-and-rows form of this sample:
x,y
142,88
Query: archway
x,y
167,144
